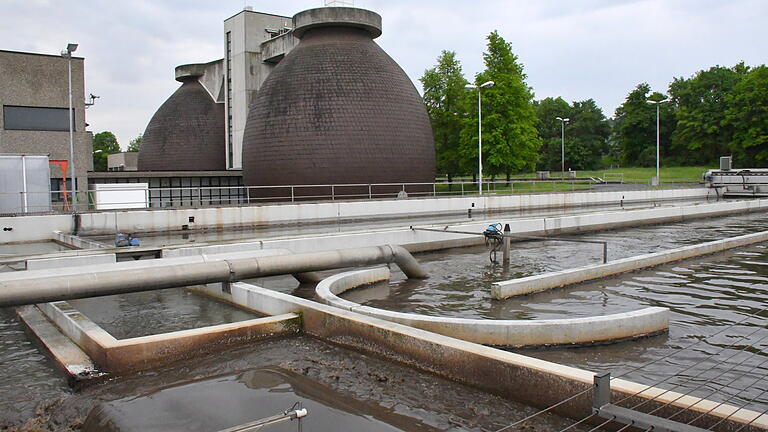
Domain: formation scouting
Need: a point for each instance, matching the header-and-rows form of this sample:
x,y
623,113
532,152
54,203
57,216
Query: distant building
x,y
123,161
34,94
334,107
201,126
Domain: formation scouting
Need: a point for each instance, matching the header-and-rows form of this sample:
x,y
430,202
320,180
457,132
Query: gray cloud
x,y
576,49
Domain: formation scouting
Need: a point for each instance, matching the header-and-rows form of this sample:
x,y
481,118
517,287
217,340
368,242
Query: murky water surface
x,y
155,312
723,295
34,248
342,389
27,376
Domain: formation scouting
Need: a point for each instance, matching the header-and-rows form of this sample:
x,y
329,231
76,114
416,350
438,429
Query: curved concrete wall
x,y
501,332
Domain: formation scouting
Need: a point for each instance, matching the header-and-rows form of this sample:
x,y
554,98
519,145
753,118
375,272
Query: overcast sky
x,y
576,49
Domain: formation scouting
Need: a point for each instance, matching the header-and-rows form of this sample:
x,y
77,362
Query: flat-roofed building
x,y
34,99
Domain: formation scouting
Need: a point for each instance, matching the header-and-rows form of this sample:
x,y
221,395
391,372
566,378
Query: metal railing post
x,y
293,194
370,195
333,193
601,394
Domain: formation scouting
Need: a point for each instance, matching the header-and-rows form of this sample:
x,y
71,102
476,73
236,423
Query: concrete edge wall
x,y
39,227
543,282
76,242
496,371
135,354
516,333
73,261
66,355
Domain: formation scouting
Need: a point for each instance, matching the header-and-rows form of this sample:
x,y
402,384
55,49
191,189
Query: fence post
x,y
333,193
462,188
370,195
434,189
293,194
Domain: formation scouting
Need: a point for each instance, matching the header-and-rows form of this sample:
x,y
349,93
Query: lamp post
x,y
657,103
486,84
67,54
563,121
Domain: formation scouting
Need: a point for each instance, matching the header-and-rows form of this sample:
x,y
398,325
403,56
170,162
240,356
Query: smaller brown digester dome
x,y
186,133
337,110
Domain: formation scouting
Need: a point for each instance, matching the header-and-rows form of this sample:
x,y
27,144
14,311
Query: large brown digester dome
x,y
186,133
337,110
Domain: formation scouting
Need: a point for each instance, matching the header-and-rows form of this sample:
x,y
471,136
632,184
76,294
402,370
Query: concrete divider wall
x,y
34,228
76,241
543,282
73,261
140,353
499,372
517,333
419,241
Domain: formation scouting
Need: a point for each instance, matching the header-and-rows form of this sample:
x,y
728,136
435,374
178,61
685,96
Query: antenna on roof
x,y
340,3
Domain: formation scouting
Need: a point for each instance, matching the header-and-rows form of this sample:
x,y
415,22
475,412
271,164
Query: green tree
x,y
586,138
104,144
547,111
446,103
510,140
748,116
635,127
702,135
135,144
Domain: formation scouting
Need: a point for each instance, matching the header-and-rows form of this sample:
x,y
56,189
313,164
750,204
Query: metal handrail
x,y
202,196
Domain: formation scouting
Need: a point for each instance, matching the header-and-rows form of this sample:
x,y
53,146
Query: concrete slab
x,y
67,356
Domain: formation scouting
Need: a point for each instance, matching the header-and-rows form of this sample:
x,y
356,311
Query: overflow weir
x,y
225,271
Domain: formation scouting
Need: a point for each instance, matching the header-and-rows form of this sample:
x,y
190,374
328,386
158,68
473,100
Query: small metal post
x,y
293,195
605,252
601,393
507,244
434,189
370,194
462,188
333,193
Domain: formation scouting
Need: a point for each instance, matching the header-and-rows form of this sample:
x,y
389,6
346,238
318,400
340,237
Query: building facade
x,y
34,98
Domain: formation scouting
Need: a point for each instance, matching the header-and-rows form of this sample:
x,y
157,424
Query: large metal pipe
x,y
54,285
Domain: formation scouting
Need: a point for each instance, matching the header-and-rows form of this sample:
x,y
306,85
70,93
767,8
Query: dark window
x,y
36,118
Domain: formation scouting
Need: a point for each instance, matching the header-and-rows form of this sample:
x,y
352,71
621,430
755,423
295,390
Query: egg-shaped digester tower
x,y
337,110
186,133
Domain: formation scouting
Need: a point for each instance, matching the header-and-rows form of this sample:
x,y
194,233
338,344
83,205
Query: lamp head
x,y
470,86
71,47
487,84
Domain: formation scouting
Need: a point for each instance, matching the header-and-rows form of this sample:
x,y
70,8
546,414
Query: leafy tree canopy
x,y
702,134
446,102
748,116
635,123
510,138
104,144
135,144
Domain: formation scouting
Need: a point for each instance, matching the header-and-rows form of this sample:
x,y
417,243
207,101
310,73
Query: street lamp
x,y
657,103
563,121
479,130
67,54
